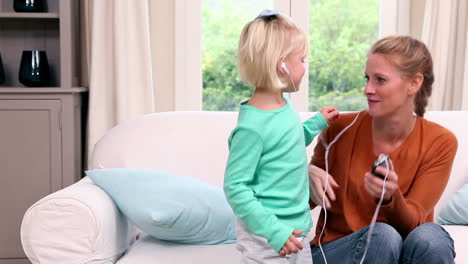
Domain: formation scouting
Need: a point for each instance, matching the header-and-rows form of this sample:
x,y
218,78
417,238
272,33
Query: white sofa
x,y
80,224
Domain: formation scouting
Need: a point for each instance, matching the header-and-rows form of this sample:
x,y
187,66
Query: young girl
x,y
266,180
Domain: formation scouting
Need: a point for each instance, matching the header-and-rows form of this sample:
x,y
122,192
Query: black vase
x,y
2,72
34,68
30,5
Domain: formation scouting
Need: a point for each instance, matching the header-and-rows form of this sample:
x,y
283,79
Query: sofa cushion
x,y
458,234
168,206
455,212
459,175
151,250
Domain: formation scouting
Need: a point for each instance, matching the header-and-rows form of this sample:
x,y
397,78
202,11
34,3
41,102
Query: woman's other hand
x,y
317,179
374,184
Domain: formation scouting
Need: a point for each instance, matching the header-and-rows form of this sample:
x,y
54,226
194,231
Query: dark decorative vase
x,y
34,68
2,72
30,5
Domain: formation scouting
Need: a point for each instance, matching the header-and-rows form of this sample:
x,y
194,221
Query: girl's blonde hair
x,y
411,57
263,42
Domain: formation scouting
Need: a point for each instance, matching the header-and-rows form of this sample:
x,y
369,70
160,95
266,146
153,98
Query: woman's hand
x,y
317,178
374,184
292,245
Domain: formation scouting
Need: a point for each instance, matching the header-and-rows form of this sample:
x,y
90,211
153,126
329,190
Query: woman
x,y
399,81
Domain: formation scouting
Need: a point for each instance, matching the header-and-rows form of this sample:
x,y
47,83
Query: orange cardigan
x,y
423,164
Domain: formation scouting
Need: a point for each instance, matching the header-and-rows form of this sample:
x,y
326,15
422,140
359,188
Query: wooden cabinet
x,y
41,151
41,128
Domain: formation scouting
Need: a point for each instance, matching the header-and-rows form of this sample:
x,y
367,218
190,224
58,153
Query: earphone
x,y
285,68
377,209
327,150
283,65
376,213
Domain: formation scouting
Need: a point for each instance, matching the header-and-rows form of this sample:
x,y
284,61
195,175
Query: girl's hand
x,y
330,113
292,245
374,184
317,178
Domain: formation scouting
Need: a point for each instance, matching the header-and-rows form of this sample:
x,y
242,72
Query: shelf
x,y
25,15
43,90
43,128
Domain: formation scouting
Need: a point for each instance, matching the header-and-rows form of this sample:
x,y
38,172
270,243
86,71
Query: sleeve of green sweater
x,y
244,154
313,126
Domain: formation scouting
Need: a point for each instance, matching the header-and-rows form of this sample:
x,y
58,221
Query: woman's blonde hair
x,y
411,57
263,42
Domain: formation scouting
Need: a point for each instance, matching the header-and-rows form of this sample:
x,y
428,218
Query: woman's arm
x,y
317,181
317,175
406,211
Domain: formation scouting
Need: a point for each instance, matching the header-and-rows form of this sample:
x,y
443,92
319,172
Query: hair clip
x,y
269,14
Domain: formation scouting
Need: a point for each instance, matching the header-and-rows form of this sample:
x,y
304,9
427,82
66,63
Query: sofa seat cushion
x,y
459,234
151,250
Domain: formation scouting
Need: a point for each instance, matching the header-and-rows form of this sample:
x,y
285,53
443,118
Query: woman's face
x,y
386,91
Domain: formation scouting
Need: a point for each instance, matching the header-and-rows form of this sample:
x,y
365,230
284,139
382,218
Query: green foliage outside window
x,y
340,31
222,86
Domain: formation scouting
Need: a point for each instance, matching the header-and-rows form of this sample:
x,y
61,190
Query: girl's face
x,y
387,92
295,63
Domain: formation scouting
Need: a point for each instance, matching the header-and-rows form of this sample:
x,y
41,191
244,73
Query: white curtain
x,y
445,31
117,41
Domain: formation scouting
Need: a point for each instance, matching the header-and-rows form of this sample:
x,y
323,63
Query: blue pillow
x,y
169,207
455,212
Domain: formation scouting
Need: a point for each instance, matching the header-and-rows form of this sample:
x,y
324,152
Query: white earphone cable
x,y
374,218
287,71
327,149
376,213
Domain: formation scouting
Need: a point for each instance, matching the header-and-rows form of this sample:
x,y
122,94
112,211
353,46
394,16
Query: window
x,y
222,23
341,31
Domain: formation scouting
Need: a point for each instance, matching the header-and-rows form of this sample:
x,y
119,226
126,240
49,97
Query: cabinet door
x,y
30,163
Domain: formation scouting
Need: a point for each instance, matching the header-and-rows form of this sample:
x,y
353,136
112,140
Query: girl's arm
x,y
245,150
313,126
316,124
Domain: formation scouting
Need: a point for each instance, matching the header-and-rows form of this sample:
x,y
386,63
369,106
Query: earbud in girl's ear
x,y
283,65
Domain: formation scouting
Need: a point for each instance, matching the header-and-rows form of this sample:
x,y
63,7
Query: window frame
x,y
188,58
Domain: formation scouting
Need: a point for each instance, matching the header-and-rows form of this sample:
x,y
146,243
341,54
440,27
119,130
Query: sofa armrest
x,y
78,224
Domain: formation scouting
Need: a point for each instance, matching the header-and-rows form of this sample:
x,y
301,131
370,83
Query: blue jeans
x,y
428,243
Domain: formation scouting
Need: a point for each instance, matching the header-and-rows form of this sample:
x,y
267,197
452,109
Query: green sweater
x,y
266,179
